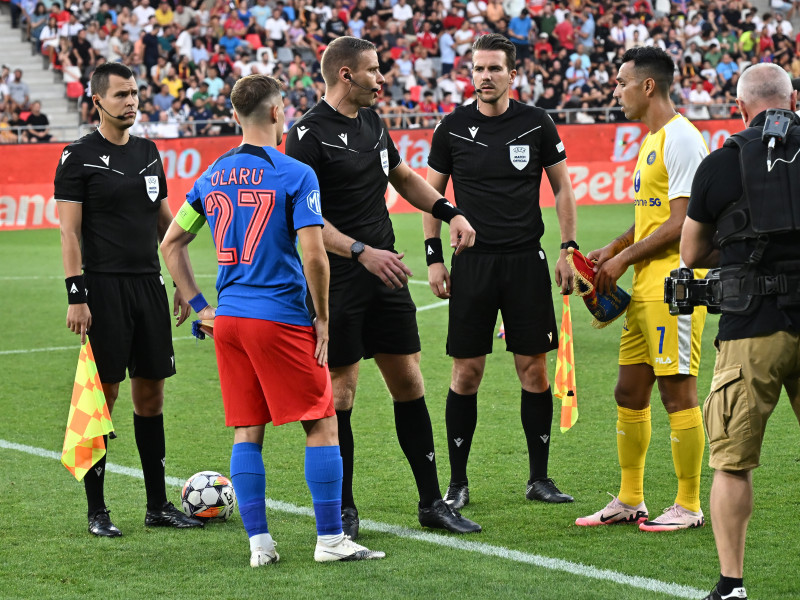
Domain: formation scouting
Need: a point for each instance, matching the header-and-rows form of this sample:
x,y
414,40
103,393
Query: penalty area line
x,y
456,543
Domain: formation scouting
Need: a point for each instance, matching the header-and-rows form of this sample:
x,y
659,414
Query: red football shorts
x,y
268,373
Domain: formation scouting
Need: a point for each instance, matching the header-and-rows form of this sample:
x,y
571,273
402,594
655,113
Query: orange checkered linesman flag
x,y
89,419
565,371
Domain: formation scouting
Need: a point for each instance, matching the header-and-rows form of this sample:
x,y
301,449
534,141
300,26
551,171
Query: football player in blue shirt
x,y
272,357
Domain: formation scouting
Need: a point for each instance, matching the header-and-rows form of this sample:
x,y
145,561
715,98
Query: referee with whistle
x,y
506,269
112,204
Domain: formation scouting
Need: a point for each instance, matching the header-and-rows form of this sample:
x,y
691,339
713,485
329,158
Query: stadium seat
x,y
74,90
284,55
254,40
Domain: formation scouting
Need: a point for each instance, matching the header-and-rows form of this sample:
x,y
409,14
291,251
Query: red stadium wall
x,y
601,159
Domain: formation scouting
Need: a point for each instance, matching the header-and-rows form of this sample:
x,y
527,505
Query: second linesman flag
x,y
565,371
89,419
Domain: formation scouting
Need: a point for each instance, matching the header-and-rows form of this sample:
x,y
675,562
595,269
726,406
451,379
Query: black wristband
x,y
442,209
570,244
433,251
76,289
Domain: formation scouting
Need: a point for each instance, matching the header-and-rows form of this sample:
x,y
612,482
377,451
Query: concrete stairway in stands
x,y
44,85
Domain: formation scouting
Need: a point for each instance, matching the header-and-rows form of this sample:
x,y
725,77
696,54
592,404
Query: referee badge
x,y
151,183
520,155
385,161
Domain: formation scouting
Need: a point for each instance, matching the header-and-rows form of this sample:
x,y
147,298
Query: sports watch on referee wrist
x,y
356,250
570,244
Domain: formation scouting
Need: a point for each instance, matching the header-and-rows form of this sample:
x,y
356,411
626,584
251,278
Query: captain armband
x,y
444,211
189,219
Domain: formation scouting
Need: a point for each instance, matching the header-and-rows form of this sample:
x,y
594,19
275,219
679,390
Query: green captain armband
x,y
189,219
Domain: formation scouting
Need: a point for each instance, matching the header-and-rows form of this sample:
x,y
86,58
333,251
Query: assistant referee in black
x,y
372,314
112,203
495,150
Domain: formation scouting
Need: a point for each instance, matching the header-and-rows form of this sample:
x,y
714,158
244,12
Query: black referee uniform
x,y
496,165
120,189
352,159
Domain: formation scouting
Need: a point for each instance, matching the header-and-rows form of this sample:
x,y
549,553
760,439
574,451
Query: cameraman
x,y
759,253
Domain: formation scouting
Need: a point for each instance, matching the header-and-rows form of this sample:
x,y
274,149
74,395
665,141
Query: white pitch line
x,y
72,347
60,278
456,543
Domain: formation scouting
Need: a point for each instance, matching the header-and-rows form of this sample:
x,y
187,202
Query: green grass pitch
x,y
526,549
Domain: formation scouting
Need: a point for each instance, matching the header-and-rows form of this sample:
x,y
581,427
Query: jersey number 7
x,y
216,201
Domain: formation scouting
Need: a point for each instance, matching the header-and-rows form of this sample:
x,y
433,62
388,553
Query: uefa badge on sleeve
x,y
520,156
151,183
385,161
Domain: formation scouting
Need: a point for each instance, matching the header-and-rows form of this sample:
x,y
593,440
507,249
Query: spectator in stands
x,y
584,34
464,36
37,22
699,100
163,100
199,52
428,106
37,125
423,65
335,27
82,54
277,28
402,12
48,37
222,113
230,42
19,92
446,104
163,14
143,12
565,34
184,16
201,116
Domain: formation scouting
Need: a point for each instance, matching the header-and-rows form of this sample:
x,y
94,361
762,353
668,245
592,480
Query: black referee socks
x,y
149,433
347,450
415,434
536,411
461,417
93,483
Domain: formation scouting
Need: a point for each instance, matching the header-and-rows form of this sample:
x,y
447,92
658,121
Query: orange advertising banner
x,y
601,159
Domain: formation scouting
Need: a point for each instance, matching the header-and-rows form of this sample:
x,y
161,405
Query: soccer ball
x,y
208,495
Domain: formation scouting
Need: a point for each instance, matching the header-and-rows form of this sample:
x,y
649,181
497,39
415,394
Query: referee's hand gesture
x,y
386,266
462,235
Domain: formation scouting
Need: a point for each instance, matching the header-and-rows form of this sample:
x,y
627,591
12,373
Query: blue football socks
x,y
324,478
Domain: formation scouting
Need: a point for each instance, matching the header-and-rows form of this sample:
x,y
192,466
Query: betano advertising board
x,y
601,159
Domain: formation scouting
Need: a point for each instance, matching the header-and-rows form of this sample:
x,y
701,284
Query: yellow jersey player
x,y
656,347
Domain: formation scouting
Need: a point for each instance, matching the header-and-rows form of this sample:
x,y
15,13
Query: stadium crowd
x,y
187,54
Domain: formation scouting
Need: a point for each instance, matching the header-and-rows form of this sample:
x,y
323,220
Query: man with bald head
x,y
757,219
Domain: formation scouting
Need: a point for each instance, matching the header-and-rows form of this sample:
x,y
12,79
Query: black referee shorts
x,y
368,318
131,326
518,285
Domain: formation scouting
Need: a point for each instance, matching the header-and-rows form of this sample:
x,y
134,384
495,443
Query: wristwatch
x,y
356,250
570,244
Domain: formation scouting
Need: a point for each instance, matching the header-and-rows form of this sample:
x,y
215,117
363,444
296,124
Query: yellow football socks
x,y
688,445
633,439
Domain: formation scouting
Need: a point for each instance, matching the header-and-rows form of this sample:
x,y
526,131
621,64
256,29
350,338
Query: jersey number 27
x,y
217,201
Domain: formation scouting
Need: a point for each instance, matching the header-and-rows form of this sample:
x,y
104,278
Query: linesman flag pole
x,y
89,419
565,371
